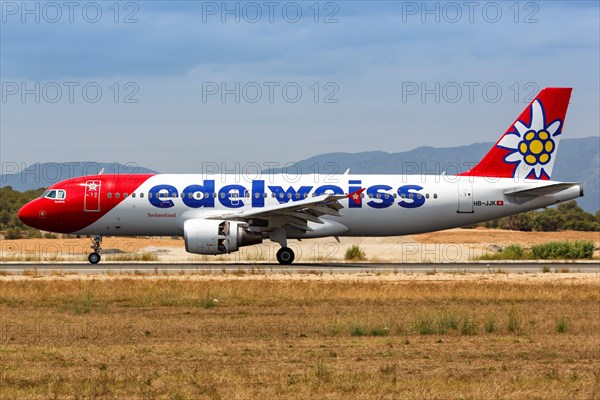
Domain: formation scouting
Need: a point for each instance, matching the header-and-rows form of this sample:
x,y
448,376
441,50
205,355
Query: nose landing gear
x,y
94,258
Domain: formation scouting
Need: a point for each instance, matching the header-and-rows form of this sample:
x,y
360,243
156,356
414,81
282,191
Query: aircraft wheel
x,y
285,256
94,258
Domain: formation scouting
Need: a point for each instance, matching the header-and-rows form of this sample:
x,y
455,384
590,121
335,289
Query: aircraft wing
x,y
540,190
294,213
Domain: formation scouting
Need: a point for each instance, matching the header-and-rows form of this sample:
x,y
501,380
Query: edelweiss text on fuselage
x,y
237,196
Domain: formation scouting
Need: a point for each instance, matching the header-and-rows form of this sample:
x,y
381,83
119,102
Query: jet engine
x,y
206,236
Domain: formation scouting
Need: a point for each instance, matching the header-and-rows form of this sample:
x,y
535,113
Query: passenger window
x,y
435,195
133,195
108,195
427,195
149,195
117,195
222,195
125,195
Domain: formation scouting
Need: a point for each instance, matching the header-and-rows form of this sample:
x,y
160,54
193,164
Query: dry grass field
x,y
234,336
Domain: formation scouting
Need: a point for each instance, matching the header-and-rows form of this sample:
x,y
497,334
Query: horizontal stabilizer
x,y
539,190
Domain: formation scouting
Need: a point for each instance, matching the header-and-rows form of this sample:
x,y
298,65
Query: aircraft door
x,y
465,196
91,197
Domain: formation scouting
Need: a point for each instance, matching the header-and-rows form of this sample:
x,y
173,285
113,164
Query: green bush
x,y
13,233
511,252
566,250
355,253
357,330
563,250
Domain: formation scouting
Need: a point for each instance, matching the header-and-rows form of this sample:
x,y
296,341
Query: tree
x,y
518,222
548,220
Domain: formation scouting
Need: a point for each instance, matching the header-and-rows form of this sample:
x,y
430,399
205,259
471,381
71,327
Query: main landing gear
x,y
285,256
94,258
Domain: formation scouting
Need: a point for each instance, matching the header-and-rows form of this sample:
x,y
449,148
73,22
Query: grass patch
x,y
469,326
380,331
562,324
357,330
514,321
510,252
355,253
207,302
424,325
490,324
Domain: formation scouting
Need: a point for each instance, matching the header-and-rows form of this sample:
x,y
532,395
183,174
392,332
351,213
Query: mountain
x,y
578,160
42,175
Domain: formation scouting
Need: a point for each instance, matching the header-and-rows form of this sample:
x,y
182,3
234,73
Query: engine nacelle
x,y
207,236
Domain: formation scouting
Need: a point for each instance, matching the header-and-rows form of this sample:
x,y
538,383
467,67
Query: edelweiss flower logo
x,y
532,146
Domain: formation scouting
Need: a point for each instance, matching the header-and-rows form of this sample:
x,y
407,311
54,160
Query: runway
x,y
191,268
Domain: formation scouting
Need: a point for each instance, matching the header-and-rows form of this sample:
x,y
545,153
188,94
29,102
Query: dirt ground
x,y
454,245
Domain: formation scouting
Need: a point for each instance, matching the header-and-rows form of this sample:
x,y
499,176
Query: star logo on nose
x,y
92,187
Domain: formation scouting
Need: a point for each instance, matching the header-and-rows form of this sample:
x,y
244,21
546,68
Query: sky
x,y
178,85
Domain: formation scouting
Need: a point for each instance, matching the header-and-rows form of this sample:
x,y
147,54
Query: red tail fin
x,y
528,148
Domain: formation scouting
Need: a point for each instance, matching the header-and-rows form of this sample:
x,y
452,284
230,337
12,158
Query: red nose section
x,y
28,214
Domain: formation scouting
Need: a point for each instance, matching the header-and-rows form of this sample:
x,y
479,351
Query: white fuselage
x,y
391,205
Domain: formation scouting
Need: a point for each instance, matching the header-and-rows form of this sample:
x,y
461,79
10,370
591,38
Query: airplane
x,y
218,214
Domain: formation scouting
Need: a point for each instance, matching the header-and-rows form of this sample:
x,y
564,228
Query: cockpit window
x,y
57,194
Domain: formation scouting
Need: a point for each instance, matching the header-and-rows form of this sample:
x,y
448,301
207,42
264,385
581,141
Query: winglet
x,y
355,196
